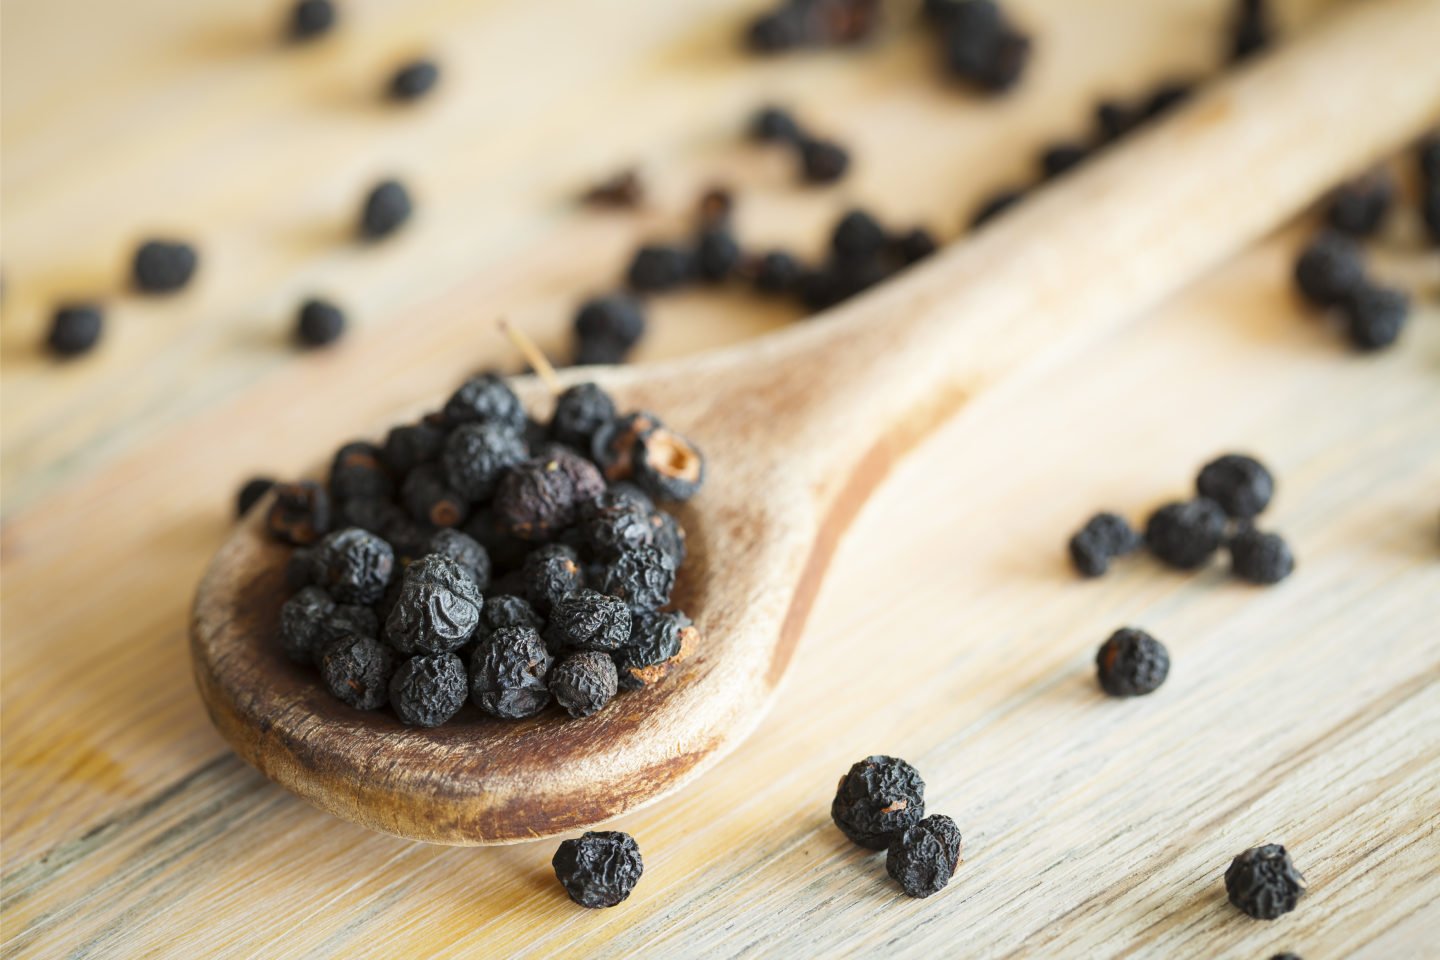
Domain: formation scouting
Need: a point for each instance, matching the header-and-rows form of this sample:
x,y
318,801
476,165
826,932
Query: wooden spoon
x,y
801,425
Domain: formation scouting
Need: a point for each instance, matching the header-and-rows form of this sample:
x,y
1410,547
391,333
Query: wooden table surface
x,y
949,631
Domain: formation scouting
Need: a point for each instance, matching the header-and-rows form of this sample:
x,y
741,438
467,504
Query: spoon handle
x,y
1070,264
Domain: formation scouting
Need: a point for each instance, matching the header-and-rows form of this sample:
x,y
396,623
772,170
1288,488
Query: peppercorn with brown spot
x,y
429,498
1131,663
508,671
877,800
300,513
537,499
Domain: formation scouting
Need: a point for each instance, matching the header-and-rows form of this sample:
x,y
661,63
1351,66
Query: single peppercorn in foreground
x,y
1264,883
1131,663
599,869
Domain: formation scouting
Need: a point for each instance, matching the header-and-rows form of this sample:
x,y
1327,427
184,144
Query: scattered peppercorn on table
x,y
951,629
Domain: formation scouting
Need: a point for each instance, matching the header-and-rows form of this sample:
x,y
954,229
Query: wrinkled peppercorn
x,y
1264,883
1104,537
465,551
583,683
347,620
387,207
429,498
164,266
1263,558
250,494
538,498
643,577
923,858
659,642
437,610
551,573
587,620
75,329
311,18
353,565
506,610
579,412
1186,534
656,268
610,525
1375,315
666,465
413,80
301,618
1329,269
507,673
877,800
613,447
822,161
599,869
357,470
478,454
1250,30
1359,206
429,689
1131,663
357,670
486,398
409,445
300,513
1239,484
997,204
319,323
772,124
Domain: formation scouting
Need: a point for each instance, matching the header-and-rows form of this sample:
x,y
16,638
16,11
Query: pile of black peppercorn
x,y
1232,491
477,554
880,805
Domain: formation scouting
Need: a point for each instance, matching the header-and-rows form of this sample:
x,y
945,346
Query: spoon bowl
x,y
801,425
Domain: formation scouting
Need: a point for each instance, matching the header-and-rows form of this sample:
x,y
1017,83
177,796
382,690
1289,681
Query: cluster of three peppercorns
x,y
543,558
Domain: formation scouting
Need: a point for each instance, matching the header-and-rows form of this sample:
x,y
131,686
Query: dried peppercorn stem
x,y
533,356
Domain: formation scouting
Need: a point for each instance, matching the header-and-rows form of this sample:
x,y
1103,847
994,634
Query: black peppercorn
x,y
656,268
1104,537
298,570
995,205
716,254
409,445
1131,663
658,644
579,412
357,670
772,124
599,869
164,266
923,858
1263,558
478,454
775,32
75,329
1359,206
614,445
506,610
1250,30
1114,120
300,513
301,619
358,471
465,551
347,620
429,689
250,494
1239,484
1375,315
1329,269
1430,211
387,207
776,272
857,236
587,620
610,525
537,499
980,47
551,573
429,498
311,18
913,245
607,327
413,80
822,161
1264,883
584,682
642,577
1186,534
1062,157
378,515
486,398
877,800
666,465
1166,97
1286,956
438,608
320,323
507,673
353,565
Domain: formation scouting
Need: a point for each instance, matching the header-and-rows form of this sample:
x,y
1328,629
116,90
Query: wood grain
x,y
948,631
